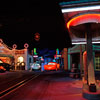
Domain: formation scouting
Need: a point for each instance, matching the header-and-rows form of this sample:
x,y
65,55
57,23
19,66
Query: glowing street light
x,y
66,10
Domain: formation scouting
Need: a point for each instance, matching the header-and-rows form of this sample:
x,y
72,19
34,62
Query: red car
x,y
52,66
2,69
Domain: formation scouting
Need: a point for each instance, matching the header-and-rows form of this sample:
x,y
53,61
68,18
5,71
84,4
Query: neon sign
x,y
35,51
37,36
19,52
84,19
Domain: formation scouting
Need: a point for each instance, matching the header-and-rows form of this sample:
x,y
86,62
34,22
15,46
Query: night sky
x,y
20,20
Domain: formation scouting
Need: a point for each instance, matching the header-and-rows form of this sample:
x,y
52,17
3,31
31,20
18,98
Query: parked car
x,y
6,66
35,66
52,66
2,69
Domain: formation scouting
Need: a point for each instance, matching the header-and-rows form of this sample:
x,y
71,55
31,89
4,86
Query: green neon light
x,y
76,2
35,51
57,50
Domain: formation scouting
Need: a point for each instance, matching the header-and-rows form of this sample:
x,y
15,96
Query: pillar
x,y
90,64
81,60
26,59
65,59
85,65
69,60
94,59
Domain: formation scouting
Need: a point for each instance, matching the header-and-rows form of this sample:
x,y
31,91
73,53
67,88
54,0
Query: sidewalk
x,y
64,89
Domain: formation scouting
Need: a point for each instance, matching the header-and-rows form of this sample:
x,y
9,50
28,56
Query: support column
x,y
81,60
65,59
26,59
69,62
94,59
90,64
85,65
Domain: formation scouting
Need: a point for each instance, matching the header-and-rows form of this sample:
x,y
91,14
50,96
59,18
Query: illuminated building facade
x,y
76,15
18,59
82,18
74,56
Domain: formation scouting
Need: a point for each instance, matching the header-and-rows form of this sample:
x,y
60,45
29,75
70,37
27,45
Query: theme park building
x,y
18,59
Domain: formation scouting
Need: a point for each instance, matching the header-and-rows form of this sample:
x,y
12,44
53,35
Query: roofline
x,y
76,2
79,4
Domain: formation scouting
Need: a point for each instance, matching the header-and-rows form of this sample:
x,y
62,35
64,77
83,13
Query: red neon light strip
x,y
84,18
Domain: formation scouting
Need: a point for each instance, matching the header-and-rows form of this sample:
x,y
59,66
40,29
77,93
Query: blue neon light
x,y
57,51
76,2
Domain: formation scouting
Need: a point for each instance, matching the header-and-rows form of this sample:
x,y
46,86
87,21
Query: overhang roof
x,y
71,11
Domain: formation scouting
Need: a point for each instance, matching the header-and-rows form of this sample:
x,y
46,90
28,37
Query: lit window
x,y
20,59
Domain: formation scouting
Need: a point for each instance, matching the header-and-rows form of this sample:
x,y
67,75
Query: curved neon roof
x,y
86,18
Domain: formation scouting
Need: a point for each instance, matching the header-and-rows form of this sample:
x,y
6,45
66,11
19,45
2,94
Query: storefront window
x,y
97,63
20,59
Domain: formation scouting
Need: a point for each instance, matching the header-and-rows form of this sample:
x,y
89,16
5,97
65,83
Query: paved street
x,y
9,79
48,86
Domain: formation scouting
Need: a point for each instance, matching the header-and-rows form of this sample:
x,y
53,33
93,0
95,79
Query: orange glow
x,y
85,64
2,68
86,18
5,59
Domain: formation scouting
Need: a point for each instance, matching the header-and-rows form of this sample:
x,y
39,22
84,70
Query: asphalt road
x,y
48,86
9,79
